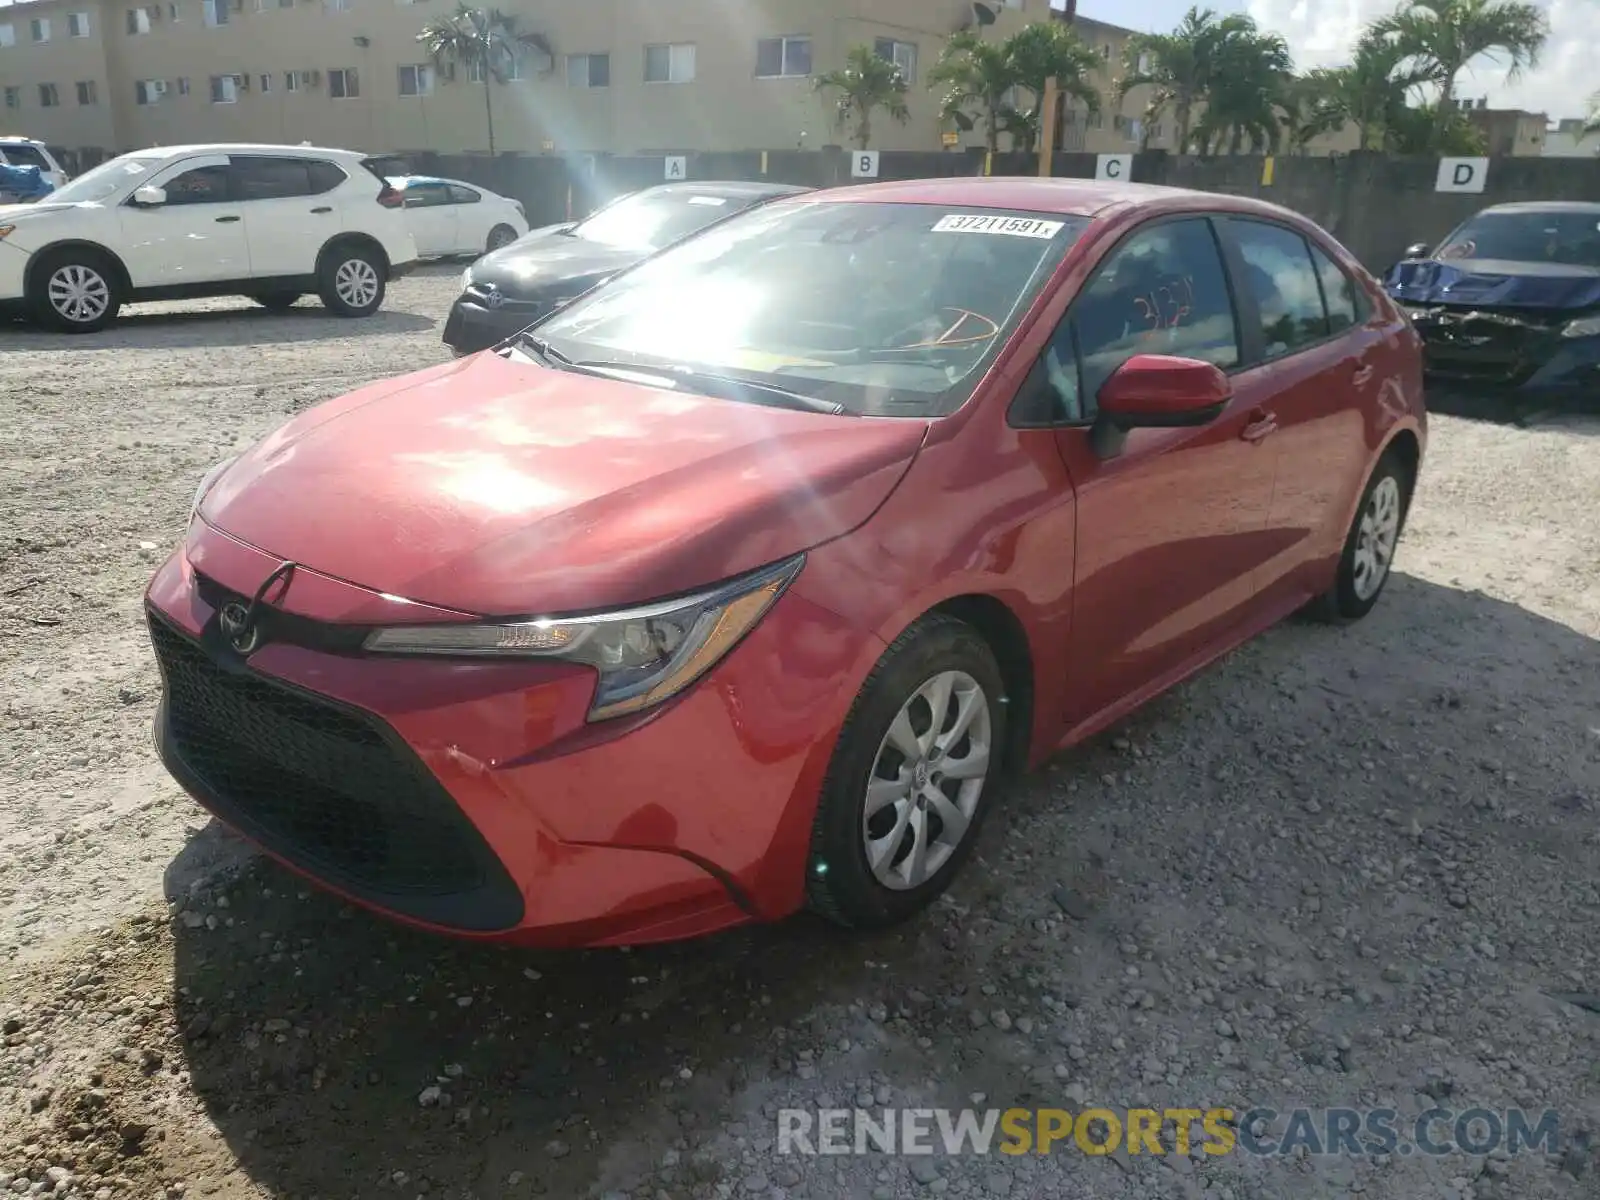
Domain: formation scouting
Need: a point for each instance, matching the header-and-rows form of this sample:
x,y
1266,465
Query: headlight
x,y
644,655
206,482
1582,327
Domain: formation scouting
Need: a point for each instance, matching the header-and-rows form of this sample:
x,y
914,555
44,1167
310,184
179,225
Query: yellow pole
x,y
1047,127
763,162
988,162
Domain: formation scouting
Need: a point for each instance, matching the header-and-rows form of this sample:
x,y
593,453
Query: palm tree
x,y
1370,93
1592,125
866,82
1182,68
975,75
1050,50
1307,109
1249,72
1445,36
485,43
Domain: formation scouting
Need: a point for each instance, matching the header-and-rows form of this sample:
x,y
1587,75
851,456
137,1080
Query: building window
x,y
138,21
8,35
901,54
48,96
224,89
13,97
183,85
589,70
88,92
174,13
1105,51
416,80
783,57
343,84
669,64
149,91
1144,64
215,12
40,27
336,5
266,83
291,81
78,24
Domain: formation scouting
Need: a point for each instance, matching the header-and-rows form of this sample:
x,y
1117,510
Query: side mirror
x,y
1418,250
150,197
1158,391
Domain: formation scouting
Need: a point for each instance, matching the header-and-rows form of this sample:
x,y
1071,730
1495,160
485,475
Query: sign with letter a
x,y
677,167
864,164
1462,175
1114,166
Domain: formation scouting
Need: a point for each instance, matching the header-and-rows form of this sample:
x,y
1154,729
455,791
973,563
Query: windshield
x,y
1569,238
888,309
107,180
648,221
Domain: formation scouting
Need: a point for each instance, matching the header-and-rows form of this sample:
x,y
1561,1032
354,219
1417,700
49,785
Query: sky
x,y
1321,33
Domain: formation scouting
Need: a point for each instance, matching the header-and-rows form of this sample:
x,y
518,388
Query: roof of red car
x,y
1075,197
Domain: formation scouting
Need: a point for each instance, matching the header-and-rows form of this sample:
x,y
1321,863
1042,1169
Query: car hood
x,y
501,487
12,213
1494,283
534,264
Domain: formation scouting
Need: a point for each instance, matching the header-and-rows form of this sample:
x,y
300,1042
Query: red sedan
x,y
741,584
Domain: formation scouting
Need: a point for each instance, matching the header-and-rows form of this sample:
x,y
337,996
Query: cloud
x,y
1322,33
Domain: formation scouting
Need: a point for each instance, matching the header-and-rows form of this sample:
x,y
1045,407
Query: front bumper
x,y
472,326
472,798
1507,353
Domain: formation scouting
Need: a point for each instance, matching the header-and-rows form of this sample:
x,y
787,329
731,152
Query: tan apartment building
x,y
626,76
1510,131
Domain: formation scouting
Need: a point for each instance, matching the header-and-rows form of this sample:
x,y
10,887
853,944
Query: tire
x,y
500,235
276,301
1385,502
351,280
841,884
75,291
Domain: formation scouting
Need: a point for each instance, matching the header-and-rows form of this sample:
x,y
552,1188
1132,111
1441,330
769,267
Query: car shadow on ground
x,y
334,1052
1581,416
175,328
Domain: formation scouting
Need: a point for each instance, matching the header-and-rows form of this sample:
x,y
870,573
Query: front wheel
x,y
351,282
911,777
1369,545
74,291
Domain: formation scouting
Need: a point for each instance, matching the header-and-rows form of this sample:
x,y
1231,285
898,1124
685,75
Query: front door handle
x,y
1262,424
323,208
1362,377
226,220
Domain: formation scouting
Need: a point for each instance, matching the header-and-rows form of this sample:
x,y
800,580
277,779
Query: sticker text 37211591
x,y
1028,227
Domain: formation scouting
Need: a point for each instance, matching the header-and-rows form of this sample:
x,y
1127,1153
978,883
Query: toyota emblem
x,y
494,297
243,634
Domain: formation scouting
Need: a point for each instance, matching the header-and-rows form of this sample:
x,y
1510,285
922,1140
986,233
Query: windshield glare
x,y
883,308
648,222
106,180
1569,238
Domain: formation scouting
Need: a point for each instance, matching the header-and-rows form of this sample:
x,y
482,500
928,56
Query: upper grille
x,y
324,786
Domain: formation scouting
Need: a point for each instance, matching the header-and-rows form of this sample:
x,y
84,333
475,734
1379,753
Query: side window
x,y
1279,273
427,195
1338,293
262,178
202,185
463,195
324,176
24,155
1163,291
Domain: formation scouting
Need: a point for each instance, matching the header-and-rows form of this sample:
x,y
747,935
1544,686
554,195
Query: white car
x,y
29,152
449,217
179,222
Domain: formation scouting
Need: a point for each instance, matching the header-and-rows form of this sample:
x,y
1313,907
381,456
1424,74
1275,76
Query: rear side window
x,y
200,185
463,195
1338,293
427,195
263,178
325,176
20,154
1280,275
1163,291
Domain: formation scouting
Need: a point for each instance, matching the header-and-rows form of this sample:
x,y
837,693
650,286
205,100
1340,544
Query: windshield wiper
x,y
731,387
540,347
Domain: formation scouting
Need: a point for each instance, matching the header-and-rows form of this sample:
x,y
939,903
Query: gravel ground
x,y
1353,867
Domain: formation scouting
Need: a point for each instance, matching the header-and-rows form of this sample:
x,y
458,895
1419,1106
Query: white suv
x,y
26,152
179,222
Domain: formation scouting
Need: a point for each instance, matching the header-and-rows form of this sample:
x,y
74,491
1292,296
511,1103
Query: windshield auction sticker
x,y
1028,227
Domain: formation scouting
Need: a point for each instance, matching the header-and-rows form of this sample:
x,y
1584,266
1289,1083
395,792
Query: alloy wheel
x,y
78,293
926,780
1379,530
356,282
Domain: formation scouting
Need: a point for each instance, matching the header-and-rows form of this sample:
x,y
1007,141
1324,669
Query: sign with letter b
x,y
864,164
1462,175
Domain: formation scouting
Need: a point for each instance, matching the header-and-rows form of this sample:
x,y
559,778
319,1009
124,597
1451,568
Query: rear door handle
x,y
226,220
1262,424
324,208
1362,377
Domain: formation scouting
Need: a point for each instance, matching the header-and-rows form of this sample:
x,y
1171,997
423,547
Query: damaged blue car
x,y
1510,301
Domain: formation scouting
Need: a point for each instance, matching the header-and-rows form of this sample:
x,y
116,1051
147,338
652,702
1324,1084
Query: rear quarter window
x,y
20,154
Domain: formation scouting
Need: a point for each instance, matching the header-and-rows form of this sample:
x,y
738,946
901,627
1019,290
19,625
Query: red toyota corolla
x,y
740,584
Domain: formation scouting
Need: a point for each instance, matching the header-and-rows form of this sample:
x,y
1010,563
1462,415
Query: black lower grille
x,y
327,788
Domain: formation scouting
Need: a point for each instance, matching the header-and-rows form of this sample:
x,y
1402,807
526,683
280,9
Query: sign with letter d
x,y
1462,175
